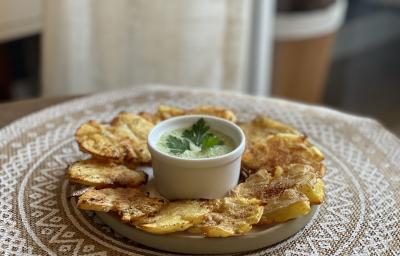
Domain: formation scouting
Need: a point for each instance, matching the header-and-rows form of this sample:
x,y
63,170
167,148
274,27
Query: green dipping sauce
x,y
195,152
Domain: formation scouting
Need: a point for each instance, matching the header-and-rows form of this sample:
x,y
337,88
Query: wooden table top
x,y
10,112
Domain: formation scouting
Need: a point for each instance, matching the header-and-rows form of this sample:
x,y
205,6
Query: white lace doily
x,y
360,217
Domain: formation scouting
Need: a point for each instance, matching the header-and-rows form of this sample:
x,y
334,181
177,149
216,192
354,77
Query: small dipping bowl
x,y
202,178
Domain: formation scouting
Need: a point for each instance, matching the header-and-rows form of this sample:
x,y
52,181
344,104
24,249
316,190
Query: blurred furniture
x,y
301,67
19,68
304,36
12,111
5,81
20,18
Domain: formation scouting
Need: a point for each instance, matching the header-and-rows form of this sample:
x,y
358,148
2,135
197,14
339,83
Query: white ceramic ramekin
x,y
207,178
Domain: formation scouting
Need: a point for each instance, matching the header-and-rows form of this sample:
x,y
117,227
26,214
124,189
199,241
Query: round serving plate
x,y
37,217
184,242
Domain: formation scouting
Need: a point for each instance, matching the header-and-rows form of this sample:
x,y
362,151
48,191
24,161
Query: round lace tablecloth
x,y
360,216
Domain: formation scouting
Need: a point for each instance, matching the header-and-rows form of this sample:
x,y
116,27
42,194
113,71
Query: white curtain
x,y
97,45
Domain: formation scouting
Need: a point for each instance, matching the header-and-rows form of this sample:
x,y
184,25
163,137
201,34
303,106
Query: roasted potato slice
x,y
164,112
230,216
214,111
132,126
129,203
132,131
254,185
263,126
124,140
98,140
101,174
176,216
153,118
280,198
316,193
263,186
301,177
280,150
284,206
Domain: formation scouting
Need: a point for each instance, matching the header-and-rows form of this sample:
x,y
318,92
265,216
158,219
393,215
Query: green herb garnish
x,y
199,135
177,145
210,140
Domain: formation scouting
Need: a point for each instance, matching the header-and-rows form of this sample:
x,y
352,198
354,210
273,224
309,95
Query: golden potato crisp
x,y
176,216
230,216
254,185
164,112
301,177
284,206
214,111
263,186
98,140
129,203
286,195
280,150
101,174
124,140
263,126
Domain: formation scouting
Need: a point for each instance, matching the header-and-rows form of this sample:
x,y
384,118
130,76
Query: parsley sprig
x,y
199,135
177,145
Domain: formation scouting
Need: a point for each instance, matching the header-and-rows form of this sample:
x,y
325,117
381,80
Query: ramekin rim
x,y
239,147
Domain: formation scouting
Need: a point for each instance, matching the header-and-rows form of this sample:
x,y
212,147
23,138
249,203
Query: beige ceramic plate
x,y
184,242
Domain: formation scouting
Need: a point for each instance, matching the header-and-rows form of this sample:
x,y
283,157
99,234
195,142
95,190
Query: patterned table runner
x,y
360,217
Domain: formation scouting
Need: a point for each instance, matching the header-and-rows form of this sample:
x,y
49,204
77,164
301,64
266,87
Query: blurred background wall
x,y
91,46
339,53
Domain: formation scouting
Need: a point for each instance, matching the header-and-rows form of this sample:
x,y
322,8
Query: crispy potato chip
x,y
262,185
98,140
230,216
301,177
263,126
315,193
284,206
254,185
176,216
286,195
164,112
133,131
132,126
280,150
153,118
281,203
124,140
129,203
99,173
214,111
